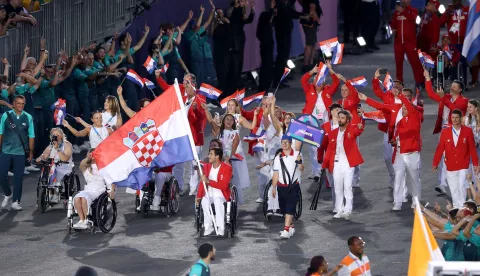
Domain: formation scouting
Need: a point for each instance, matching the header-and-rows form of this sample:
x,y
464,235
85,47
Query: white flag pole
x,y
194,150
424,227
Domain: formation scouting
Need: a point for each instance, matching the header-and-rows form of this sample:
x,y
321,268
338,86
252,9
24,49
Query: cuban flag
x,y
322,74
60,108
135,78
52,173
376,116
253,99
150,64
359,82
157,136
164,68
429,63
471,44
447,52
388,82
209,91
285,73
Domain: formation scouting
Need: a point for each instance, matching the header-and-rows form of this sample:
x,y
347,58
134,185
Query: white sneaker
x,y
291,231
208,231
285,235
192,192
155,207
139,208
32,168
16,206
10,174
25,172
259,200
220,232
397,207
347,216
338,215
311,176
76,149
6,202
82,224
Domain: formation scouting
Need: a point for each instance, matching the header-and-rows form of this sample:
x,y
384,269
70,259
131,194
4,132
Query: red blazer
x,y
456,157
311,95
450,17
405,26
429,32
408,129
223,180
249,116
197,120
351,102
349,143
327,128
460,103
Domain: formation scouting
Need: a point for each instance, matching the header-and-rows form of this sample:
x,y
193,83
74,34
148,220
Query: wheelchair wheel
x,y
233,219
173,200
145,206
234,199
265,199
42,199
137,203
106,213
298,211
199,219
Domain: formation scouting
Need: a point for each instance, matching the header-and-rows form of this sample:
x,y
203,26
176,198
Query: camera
x,y
54,138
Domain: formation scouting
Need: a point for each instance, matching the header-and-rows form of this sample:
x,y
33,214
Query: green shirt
x,y
80,80
23,125
452,250
45,96
24,89
200,268
67,89
199,46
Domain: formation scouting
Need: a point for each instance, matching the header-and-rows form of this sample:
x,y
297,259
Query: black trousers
x,y
233,60
220,63
350,20
370,22
284,41
266,69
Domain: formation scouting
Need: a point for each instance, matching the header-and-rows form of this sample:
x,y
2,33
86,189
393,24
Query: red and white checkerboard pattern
x,y
148,148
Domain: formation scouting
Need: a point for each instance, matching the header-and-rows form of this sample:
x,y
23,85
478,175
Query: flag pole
x,y
194,151
123,80
422,223
153,93
278,85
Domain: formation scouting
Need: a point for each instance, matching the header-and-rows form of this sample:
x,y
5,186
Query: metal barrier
x,y
66,25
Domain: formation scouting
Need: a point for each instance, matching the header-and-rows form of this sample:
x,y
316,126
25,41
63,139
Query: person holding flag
x,y
96,132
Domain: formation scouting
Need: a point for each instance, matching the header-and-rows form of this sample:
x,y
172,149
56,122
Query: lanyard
x,y
360,264
454,132
109,120
94,129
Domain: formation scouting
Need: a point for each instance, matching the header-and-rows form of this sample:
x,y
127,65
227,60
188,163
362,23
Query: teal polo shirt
x,y
24,126
45,96
24,89
67,89
80,79
200,268
199,47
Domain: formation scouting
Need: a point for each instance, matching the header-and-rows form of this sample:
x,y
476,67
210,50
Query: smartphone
x,y
382,71
398,3
270,94
359,105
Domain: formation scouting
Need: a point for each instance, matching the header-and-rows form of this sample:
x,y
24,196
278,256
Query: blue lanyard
x,y
94,129
454,132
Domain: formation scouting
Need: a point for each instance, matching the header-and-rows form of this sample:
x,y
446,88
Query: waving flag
x,y
164,68
322,74
417,95
239,95
148,83
429,63
285,73
337,54
253,99
359,82
150,64
135,78
471,44
156,137
388,82
209,91
60,108
376,116
328,45
421,56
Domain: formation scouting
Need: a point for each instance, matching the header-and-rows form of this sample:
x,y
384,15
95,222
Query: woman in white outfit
x,y
96,132
95,185
58,150
472,120
111,117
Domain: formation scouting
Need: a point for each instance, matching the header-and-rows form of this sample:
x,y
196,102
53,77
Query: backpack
x,y
205,270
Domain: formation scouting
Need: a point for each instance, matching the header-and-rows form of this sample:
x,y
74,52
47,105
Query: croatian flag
x,y
359,82
150,64
135,78
285,73
447,52
322,74
156,137
239,95
52,173
429,63
328,45
60,108
471,44
388,82
337,54
376,116
209,91
148,83
253,99
164,68
421,56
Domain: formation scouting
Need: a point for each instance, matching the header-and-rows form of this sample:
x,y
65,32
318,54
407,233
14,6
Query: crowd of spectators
x,y
13,12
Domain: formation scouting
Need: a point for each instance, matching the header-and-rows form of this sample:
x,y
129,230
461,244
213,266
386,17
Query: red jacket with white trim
x,y
408,129
405,26
223,180
456,157
311,94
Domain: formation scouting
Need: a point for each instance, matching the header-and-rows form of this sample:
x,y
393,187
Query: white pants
x,y
312,151
160,179
442,171
272,202
219,213
356,172
179,170
387,156
262,178
332,185
456,183
343,179
406,164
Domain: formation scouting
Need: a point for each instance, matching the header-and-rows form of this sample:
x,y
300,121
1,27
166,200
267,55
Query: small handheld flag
x,y
60,108
150,64
135,78
209,91
239,95
322,74
148,83
253,99
388,82
447,52
359,82
285,73
376,116
164,68
429,63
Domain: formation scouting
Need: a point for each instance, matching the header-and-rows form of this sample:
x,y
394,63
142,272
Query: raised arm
x,y
276,123
26,52
142,40
6,69
130,113
84,132
428,86
185,23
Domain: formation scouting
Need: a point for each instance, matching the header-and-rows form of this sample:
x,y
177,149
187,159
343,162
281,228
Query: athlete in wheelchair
x,y
161,194
95,205
220,198
57,178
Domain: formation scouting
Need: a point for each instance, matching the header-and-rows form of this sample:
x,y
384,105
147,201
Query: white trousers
x,y
456,183
312,151
160,179
272,202
406,164
219,213
387,156
356,172
343,179
179,170
262,178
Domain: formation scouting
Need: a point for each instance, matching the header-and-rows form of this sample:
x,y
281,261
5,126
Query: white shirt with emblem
x,y
289,161
213,175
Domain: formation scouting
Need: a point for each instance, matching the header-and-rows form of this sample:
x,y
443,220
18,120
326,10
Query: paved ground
x,y
38,244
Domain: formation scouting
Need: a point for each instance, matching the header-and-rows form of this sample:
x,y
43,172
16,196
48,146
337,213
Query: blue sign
x,y
302,130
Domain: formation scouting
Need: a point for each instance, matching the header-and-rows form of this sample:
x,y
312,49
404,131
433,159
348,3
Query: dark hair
x,y
167,26
399,81
453,213
346,113
95,112
193,79
335,105
315,263
19,97
471,205
205,249
215,140
458,112
122,38
86,271
462,87
352,239
217,152
3,79
142,102
222,126
477,105
408,89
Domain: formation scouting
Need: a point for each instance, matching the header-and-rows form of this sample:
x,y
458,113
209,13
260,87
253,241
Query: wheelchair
x,y
70,185
170,197
102,214
298,208
231,215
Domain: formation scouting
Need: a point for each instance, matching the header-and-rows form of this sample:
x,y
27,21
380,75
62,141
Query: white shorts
x,y
90,196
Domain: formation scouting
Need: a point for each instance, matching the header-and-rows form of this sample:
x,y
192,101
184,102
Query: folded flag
x,y
285,73
148,83
60,108
135,78
388,82
359,82
156,137
150,64
164,68
253,99
322,74
376,116
238,95
209,91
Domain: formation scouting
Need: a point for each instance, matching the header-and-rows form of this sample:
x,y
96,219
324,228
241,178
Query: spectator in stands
x,y
221,45
310,27
17,13
265,37
4,21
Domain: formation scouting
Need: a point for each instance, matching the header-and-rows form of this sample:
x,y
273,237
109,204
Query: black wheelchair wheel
x,y
265,199
145,207
76,186
199,219
298,211
42,199
137,203
173,200
234,199
233,219
106,213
